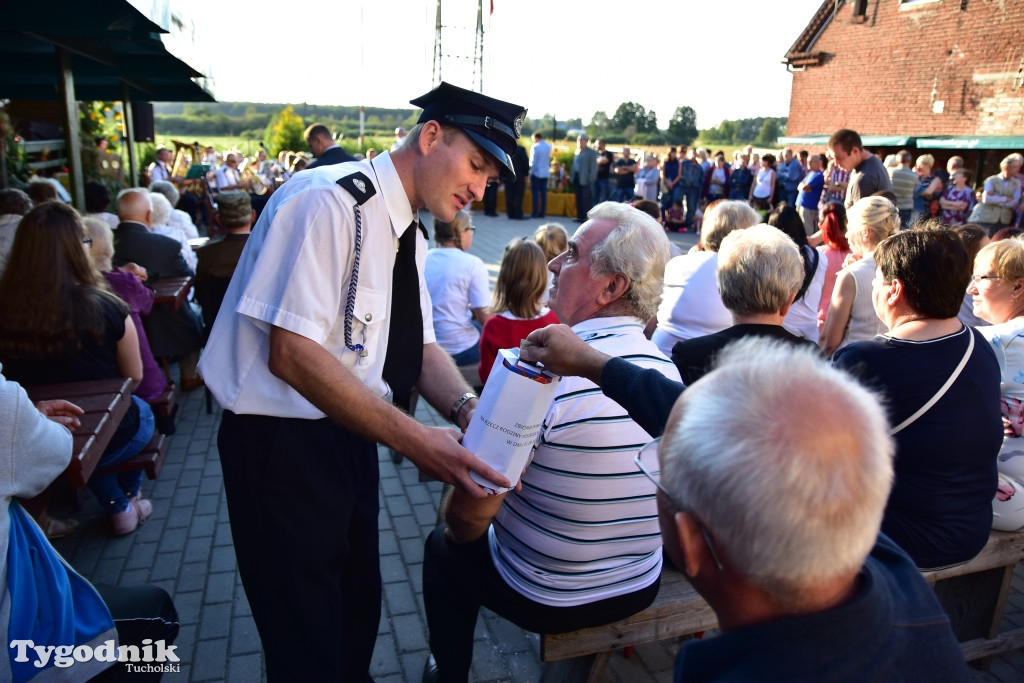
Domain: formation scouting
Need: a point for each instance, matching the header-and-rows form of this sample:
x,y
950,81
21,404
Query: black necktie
x,y
405,332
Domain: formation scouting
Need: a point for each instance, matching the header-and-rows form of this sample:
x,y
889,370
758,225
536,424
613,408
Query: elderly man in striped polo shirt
x,y
578,545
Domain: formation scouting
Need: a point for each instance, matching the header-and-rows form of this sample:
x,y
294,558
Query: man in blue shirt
x,y
809,194
790,172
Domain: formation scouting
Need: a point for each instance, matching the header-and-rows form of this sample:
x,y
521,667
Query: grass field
x,y
225,143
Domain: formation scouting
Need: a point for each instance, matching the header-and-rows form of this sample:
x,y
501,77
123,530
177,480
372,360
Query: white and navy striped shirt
x,y
585,525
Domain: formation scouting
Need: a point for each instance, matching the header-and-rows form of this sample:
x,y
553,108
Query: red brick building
x,y
942,76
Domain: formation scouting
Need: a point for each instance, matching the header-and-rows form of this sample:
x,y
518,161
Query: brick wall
x,y
879,74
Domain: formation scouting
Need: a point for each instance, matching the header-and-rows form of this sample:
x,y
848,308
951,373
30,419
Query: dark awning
x,y
29,68
111,43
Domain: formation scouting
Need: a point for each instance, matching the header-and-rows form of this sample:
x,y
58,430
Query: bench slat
x,y
150,459
679,610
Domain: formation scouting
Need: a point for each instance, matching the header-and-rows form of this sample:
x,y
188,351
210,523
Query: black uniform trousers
x,y
302,500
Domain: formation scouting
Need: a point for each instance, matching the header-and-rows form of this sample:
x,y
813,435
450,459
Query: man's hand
x,y
441,456
563,353
62,412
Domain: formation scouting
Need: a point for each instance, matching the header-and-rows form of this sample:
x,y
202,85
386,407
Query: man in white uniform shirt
x,y
160,169
578,545
228,176
326,313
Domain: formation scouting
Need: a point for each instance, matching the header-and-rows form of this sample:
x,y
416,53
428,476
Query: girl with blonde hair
x,y
518,307
851,315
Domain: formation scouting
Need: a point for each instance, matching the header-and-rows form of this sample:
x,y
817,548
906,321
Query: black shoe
x,y
430,670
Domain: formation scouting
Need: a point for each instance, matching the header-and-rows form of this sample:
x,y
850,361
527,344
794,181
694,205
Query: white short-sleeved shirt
x,y
158,171
584,527
294,274
227,176
690,304
457,282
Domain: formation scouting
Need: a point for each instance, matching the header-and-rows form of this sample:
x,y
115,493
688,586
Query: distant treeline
x,y
250,119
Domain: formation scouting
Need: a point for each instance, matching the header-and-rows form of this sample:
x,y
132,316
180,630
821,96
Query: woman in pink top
x,y
518,311
834,250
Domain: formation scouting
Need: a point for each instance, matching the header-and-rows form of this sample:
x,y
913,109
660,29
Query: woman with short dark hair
x,y
940,382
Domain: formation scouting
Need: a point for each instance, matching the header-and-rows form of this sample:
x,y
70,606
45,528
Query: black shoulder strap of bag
x,y
810,266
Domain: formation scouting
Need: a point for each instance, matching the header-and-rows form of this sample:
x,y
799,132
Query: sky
x,y
570,59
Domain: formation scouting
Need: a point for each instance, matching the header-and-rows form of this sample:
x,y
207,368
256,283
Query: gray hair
x,y
14,201
166,189
637,248
161,209
1015,158
101,253
724,217
794,491
759,270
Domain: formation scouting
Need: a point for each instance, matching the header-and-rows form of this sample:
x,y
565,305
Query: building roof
x,y
801,53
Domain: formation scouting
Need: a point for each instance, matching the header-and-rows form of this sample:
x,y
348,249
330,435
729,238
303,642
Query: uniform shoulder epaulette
x,y
359,186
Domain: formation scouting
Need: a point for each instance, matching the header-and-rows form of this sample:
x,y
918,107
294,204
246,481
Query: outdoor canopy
x,y
100,50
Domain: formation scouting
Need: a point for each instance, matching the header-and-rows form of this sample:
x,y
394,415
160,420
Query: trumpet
x,y
252,180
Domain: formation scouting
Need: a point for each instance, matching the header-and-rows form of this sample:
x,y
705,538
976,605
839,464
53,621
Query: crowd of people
x,y
821,398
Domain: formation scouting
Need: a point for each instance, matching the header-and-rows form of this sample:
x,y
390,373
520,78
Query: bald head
x,y
134,205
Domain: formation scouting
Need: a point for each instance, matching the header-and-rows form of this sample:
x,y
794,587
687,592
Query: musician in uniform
x,y
160,169
326,314
228,177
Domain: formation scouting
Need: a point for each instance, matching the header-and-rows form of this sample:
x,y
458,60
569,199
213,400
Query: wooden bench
x,y
150,459
973,594
163,404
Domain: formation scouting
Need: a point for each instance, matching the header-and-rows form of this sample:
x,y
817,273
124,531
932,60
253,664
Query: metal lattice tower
x,y
454,37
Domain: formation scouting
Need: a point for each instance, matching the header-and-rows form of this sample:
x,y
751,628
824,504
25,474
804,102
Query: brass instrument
x,y
252,180
179,169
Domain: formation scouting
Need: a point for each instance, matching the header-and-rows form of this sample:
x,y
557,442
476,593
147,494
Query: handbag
x,y
942,390
51,604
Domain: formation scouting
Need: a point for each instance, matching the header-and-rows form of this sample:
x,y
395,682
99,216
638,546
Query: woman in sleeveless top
x,y
851,316
762,191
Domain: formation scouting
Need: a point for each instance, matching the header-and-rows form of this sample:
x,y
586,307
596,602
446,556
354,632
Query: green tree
x,y
769,132
285,131
682,127
598,127
631,113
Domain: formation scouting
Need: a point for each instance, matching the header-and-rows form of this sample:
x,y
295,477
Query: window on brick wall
x,y
917,2
860,8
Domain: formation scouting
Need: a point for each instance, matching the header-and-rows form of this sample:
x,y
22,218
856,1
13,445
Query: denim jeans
x,y
622,194
602,190
672,196
692,195
114,490
539,190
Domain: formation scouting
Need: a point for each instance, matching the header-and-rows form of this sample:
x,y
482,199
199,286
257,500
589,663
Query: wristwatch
x,y
453,415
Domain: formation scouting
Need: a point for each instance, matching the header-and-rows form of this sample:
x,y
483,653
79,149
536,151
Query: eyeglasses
x,y
975,278
87,241
651,450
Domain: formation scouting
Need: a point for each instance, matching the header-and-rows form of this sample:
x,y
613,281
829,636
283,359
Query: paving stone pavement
x,y
185,547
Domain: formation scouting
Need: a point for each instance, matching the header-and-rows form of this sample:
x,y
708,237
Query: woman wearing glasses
x,y
60,323
997,291
940,381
